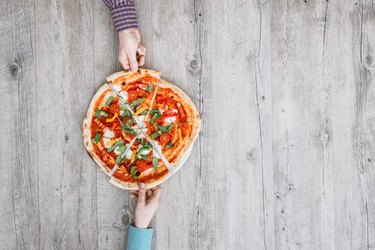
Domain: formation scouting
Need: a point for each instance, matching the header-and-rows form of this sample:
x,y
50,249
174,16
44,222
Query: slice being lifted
x,y
169,118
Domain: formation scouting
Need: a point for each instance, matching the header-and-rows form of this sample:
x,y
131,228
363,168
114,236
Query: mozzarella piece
x,y
175,110
108,133
129,154
148,171
106,141
124,95
169,120
158,146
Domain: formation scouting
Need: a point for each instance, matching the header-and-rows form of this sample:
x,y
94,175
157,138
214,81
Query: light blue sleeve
x,y
139,239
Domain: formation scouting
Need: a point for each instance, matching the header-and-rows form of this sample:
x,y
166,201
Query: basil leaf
x,y
119,143
96,138
149,87
155,163
166,129
136,102
144,157
153,118
144,112
155,111
118,159
156,134
127,123
169,145
124,111
121,149
132,172
109,101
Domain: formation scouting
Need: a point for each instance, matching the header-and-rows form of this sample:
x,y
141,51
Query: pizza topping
x,y
112,119
120,149
179,136
118,160
124,95
140,110
170,119
129,154
149,87
136,102
169,112
100,124
141,92
165,138
108,133
109,101
132,159
96,138
134,172
132,95
108,142
180,110
156,134
155,163
169,145
114,108
115,145
155,114
99,113
158,147
124,112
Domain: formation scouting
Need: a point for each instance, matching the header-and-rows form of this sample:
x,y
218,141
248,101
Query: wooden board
x,y
286,92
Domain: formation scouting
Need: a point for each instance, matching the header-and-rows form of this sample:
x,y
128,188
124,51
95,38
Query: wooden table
x,y
285,159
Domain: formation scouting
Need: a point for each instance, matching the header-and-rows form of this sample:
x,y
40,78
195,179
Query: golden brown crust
x,y
129,76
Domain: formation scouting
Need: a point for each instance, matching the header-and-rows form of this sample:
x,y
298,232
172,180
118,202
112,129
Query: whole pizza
x,y
140,128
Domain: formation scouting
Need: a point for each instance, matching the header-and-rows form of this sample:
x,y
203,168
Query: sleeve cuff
x,y
124,17
139,239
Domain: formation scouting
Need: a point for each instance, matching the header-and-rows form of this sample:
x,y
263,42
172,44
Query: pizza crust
x,y
184,153
130,76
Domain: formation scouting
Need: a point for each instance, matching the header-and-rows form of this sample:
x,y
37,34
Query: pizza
x,y
140,128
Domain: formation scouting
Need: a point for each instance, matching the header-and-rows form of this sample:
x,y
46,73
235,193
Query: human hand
x,y
147,204
131,53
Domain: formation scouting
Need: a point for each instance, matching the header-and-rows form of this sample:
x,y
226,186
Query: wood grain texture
x,y
286,92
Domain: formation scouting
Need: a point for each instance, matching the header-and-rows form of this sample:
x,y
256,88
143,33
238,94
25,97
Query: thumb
x,y
142,194
133,61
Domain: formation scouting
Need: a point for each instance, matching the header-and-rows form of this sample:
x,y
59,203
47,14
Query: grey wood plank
x,y
8,92
363,18
67,187
18,177
110,199
18,157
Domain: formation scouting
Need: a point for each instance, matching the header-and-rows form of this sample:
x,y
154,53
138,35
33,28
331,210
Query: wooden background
x,y
285,159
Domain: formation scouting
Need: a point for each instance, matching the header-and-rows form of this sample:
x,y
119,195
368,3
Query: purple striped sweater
x,y
123,14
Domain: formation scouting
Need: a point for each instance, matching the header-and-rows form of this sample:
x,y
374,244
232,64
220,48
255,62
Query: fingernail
x,y
142,185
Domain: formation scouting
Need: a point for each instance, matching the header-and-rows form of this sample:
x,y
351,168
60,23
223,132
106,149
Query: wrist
x,y
141,225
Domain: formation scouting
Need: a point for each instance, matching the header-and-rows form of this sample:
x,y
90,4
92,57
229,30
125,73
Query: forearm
x,y
123,13
139,239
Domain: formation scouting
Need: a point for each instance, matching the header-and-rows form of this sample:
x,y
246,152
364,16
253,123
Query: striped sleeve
x,y
123,13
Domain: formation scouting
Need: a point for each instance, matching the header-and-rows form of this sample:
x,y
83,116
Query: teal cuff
x,y
139,239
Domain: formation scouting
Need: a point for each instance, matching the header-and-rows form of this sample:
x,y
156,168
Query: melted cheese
x,y
108,133
169,120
